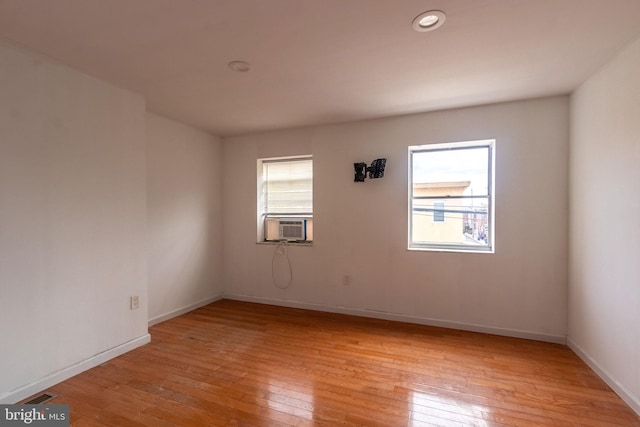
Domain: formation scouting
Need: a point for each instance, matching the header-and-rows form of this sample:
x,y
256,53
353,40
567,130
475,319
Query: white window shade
x,y
288,187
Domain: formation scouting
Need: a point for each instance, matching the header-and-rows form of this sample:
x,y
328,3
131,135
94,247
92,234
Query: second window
x,y
451,199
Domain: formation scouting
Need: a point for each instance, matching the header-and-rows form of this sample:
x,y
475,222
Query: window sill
x,y
458,250
271,243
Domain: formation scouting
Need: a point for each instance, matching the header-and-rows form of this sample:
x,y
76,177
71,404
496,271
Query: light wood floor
x,y
239,364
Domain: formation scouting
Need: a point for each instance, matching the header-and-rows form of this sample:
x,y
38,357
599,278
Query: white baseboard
x,y
557,339
630,399
183,310
68,372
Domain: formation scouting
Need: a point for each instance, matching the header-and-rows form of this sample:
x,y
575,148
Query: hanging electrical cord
x,y
281,250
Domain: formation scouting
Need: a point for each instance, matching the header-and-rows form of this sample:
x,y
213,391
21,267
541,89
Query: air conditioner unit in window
x,y
291,229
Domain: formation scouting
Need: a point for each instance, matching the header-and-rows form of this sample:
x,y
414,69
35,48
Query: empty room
x,y
320,212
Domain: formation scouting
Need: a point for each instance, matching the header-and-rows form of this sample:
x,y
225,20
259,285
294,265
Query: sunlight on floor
x,y
428,408
299,402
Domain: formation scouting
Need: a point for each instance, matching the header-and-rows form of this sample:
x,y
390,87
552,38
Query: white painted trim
x,y
630,399
183,310
557,339
42,384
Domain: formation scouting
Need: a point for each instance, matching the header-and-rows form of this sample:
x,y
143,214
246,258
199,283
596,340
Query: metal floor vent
x,y
44,397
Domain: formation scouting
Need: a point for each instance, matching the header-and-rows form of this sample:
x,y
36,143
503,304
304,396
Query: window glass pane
x,y
464,221
464,170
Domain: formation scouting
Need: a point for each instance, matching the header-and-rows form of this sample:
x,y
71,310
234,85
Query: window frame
x,y
489,247
262,202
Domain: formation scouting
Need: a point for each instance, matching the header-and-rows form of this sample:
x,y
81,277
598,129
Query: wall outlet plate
x,y
134,302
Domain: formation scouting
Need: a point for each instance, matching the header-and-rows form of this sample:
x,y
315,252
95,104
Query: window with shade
x,y
285,205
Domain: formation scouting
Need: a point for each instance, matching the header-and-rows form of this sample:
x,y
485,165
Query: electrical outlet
x,y
134,302
346,279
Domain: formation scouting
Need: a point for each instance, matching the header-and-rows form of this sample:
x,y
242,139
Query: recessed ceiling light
x,y
239,66
429,21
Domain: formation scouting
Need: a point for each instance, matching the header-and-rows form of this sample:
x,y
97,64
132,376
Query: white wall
x,y
72,221
184,195
361,228
604,290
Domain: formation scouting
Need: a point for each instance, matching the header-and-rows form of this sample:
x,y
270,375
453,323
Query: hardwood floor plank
x,y
233,363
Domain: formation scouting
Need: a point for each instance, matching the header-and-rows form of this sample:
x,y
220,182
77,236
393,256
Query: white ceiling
x,y
323,61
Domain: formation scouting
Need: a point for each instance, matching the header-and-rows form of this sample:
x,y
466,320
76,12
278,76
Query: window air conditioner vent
x,y
291,229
